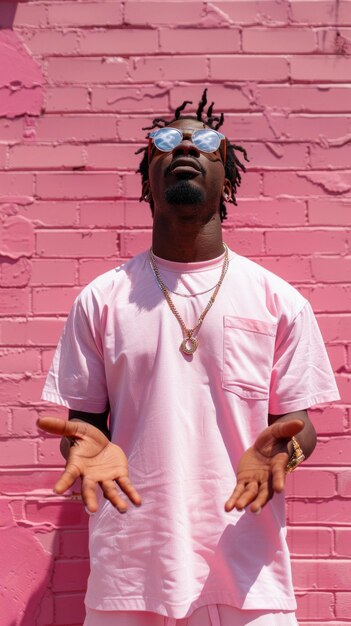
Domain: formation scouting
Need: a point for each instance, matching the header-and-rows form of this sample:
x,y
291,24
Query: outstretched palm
x,y
261,469
96,460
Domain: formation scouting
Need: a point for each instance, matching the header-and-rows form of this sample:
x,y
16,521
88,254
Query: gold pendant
x,y
193,345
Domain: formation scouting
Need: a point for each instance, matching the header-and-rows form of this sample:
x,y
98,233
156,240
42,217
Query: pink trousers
x,y
211,615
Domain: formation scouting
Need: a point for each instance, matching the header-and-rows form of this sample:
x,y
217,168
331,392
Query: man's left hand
x,y
261,470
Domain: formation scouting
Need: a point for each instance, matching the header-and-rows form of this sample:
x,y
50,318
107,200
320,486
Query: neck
x,y
187,242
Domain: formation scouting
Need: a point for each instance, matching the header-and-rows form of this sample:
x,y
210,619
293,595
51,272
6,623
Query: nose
x,y
186,147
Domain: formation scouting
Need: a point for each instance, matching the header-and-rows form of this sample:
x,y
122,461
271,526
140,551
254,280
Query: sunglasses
x,y
204,139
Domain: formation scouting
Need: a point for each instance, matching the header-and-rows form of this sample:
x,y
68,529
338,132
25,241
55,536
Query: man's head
x,y
183,170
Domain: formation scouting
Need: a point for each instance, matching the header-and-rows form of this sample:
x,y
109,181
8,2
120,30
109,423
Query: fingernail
x,y
258,511
89,512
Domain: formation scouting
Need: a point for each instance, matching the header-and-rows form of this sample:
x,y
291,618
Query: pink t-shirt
x,y
184,422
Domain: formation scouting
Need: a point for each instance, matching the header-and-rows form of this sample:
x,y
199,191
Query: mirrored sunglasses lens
x,y
206,140
166,139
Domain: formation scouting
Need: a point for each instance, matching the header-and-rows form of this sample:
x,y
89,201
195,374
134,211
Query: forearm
x,y
307,438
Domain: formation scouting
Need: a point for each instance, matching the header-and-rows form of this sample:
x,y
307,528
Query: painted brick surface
x,y
78,81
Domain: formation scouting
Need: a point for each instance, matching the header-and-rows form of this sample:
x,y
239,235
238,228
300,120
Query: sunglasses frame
x,y
187,131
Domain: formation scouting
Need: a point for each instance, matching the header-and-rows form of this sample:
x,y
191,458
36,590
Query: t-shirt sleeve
x,y
302,375
76,378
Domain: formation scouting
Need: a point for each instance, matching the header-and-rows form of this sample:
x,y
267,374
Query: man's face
x,y
187,180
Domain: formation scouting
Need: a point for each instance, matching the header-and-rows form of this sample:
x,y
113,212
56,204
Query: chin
x,y
184,193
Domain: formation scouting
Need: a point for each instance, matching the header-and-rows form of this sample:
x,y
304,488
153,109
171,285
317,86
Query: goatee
x,y
183,192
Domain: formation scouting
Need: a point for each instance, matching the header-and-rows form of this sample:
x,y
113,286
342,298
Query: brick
x,y
15,272
78,185
311,483
95,70
46,157
188,41
294,269
328,420
11,130
268,212
331,270
28,389
229,96
51,214
29,14
13,103
263,69
53,300
53,272
334,41
321,604
19,361
335,327
137,214
305,98
14,301
275,155
159,13
131,128
326,128
328,13
119,41
125,99
66,99
50,42
246,242
24,424
101,214
76,128
312,542
70,575
343,605
17,453
68,607
60,512
151,69
323,574
16,184
344,386
286,242
344,482
3,153
76,244
134,242
329,211
330,158
329,298
343,541
74,544
334,451
265,12
22,481
333,69
49,453
112,156
16,237
47,356
94,14
285,40
90,269
31,332
337,356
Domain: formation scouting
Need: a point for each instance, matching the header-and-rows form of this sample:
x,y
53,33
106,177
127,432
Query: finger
x,y
66,480
58,426
279,471
286,430
239,489
110,492
250,493
89,494
264,495
129,490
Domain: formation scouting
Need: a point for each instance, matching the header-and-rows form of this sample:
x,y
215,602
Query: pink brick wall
x,y
78,80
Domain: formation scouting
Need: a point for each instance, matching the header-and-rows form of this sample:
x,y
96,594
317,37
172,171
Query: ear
x,y
146,191
227,191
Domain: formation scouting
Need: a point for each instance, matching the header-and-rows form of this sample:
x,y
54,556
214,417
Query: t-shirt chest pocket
x,y
248,356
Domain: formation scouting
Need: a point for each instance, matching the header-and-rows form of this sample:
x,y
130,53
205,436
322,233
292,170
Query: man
x,y
206,364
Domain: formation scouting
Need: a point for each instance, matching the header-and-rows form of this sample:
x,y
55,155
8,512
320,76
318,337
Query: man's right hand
x,y
94,459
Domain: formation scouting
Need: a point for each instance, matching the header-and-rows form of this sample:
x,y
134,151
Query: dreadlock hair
x,y
233,166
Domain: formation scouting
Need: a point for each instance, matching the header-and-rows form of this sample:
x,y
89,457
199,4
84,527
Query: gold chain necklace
x,y
189,343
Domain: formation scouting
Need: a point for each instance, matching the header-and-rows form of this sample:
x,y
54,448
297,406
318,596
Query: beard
x,y
184,193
